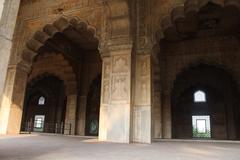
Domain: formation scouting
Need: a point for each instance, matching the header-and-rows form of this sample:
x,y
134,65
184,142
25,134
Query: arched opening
x,y
203,106
199,32
45,104
93,108
69,50
41,101
199,96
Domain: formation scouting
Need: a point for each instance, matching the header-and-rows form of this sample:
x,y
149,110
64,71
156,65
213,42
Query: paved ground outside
x,y
46,147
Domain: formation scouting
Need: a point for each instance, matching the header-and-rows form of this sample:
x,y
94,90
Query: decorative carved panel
x,y
106,94
144,66
120,64
106,70
106,80
143,90
120,89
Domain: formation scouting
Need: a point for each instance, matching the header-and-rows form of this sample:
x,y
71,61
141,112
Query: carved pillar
x,y
82,115
116,93
105,97
231,128
116,79
141,117
13,98
157,113
71,113
156,93
7,26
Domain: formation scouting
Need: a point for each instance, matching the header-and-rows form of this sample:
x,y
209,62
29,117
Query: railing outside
x,y
41,126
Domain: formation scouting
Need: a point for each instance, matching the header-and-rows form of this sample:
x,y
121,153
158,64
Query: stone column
x,y
231,128
141,116
157,113
7,27
71,114
105,97
116,93
156,93
82,115
13,99
167,116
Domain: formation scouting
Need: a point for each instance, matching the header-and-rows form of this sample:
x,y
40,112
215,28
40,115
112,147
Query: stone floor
x,y
47,147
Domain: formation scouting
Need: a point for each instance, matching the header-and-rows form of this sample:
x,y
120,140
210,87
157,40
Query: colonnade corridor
x,y
119,79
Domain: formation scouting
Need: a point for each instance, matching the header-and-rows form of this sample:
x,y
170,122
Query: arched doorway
x,y
45,105
198,32
93,108
205,104
68,49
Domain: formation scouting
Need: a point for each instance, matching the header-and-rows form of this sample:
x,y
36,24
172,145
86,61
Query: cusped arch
x,y
40,37
183,21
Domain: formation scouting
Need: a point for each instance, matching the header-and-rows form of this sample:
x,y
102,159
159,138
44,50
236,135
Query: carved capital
x,y
120,47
